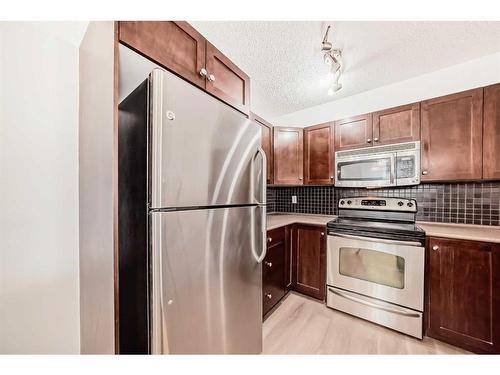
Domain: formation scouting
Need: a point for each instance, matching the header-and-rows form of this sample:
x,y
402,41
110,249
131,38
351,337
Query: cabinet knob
x,y
331,177
435,247
424,172
203,72
211,77
269,239
300,178
369,140
269,264
375,139
269,295
322,233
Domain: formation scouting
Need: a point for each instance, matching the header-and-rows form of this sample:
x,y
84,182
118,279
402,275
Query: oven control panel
x,y
378,204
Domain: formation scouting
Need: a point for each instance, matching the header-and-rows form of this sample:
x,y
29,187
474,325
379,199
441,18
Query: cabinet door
x,y
288,155
267,143
463,296
273,269
354,132
309,249
395,125
175,45
491,132
451,146
226,81
318,154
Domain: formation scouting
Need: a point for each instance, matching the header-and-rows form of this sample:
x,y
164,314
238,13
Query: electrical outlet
x,y
294,199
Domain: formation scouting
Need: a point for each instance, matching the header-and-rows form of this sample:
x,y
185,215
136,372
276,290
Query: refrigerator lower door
x,y
207,280
203,152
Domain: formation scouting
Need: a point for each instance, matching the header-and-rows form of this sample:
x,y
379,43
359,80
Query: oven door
x,y
388,270
366,171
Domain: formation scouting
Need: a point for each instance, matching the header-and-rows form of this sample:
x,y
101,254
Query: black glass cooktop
x,y
379,229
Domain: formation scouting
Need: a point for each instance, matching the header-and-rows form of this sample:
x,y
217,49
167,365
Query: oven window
x,y
365,170
374,266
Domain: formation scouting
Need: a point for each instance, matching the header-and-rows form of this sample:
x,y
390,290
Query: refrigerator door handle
x,y
260,201
263,186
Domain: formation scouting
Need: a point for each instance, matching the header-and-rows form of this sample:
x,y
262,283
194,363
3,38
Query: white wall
x,y
475,73
39,292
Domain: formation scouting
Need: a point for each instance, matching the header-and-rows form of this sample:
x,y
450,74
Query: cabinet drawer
x,y
275,236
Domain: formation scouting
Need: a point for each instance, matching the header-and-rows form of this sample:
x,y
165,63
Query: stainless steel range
x,y
375,262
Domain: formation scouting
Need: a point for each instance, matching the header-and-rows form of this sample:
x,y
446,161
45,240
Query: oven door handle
x,y
391,242
375,305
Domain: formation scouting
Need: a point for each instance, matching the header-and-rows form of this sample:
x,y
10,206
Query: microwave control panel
x,y
405,166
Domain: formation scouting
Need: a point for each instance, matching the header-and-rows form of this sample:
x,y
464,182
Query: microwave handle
x,y
393,168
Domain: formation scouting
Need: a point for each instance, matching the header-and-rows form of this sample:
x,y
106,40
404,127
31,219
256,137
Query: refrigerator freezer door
x,y
202,150
207,281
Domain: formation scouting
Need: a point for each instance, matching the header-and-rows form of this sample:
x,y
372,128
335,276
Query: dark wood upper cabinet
x,y
176,46
354,132
309,263
267,143
319,154
463,299
491,132
396,125
226,81
452,130
288,155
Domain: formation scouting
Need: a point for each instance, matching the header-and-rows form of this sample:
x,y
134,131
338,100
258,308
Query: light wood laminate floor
x,y
303,326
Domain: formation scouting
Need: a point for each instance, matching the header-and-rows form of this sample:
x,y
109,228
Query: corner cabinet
x,y
319,154
491,132
452,136
309,260
178,47
463,299
267,143
288,155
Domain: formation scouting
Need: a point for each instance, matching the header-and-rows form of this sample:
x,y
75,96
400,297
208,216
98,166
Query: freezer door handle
x,y
263,181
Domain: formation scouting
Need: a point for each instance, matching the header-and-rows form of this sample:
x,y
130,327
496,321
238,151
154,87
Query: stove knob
x,y
349,202
409,204
342,202
400,203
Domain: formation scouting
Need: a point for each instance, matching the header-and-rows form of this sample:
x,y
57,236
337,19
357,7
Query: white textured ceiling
x,y
285,63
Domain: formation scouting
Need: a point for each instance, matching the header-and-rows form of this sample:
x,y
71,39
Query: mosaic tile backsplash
x,y
465,203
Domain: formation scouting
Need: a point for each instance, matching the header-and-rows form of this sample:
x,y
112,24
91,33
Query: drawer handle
x,y
269,264
269,295
374,305
269,239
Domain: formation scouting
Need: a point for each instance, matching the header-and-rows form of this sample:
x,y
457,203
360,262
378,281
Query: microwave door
x,y
366,171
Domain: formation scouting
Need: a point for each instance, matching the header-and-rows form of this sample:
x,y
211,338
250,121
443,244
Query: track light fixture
x,y
333,58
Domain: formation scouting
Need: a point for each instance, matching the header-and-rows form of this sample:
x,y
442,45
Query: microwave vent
x,y
380,149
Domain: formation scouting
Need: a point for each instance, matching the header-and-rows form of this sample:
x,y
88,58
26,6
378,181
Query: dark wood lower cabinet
x,y
463,297
273,269
309,260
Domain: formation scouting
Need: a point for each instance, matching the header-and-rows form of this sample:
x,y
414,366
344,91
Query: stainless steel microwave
x,y
372,167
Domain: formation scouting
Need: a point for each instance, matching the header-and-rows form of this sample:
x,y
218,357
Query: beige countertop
x,y
483,233
280,219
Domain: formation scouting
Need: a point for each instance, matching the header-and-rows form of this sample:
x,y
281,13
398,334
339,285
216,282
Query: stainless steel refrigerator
x,y
192,222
